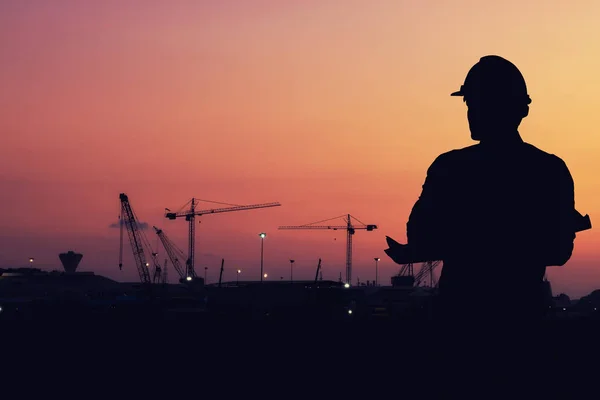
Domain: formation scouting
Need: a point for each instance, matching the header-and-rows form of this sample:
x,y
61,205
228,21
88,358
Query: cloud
x,y
142,225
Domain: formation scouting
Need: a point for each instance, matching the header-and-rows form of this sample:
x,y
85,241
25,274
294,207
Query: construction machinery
x,y
139,242
406,276
317,273
190,216
175,255
157,274
221,272
427,273
164,278
350,230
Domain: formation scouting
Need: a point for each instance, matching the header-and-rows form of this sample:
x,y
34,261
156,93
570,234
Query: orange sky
x,y
327,106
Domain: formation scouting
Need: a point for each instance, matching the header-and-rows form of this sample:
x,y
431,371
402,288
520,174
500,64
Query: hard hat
x,y
495,77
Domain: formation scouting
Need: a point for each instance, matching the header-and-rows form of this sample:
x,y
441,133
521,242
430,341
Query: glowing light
x,y
189,278
347,285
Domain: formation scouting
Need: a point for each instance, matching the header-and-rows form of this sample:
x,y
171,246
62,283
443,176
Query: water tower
x,y
70,260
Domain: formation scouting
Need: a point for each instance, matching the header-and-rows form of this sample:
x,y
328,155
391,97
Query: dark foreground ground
x,y
207,354
325,334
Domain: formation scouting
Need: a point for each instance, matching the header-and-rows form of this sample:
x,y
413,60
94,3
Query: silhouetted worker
x,y
499,211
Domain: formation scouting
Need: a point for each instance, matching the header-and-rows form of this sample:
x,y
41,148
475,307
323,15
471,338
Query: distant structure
x,y
70,260
547,287
350,230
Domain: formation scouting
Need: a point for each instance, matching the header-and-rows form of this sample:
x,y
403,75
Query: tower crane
x,y
350,230
190,216
137,239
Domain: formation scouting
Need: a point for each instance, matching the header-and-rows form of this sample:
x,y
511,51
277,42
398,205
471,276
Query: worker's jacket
x,y
499,214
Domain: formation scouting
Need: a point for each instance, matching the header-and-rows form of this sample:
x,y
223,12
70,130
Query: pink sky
x,y
329,107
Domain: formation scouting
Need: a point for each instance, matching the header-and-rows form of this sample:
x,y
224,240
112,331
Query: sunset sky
x,y
327,106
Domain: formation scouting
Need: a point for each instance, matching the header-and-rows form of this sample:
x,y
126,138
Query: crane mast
x,y
129,220
349,234
191,217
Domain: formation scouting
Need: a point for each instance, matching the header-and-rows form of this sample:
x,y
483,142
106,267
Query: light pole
x,y
262,236
376,271
291,270
205,269
237,282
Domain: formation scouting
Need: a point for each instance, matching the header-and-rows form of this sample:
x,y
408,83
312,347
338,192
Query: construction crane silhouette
x,y
407,270
174,254
164,278
190,216
138,241
426,272
350,230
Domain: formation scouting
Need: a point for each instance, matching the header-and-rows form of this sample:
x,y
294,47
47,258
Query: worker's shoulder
x,y
542,156
475,151
534,150
455,155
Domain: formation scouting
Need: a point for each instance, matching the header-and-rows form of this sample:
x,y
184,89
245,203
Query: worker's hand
x,y
393,255
392,243
405,254
397,252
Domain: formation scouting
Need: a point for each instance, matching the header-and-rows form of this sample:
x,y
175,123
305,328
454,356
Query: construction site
x,y
410,294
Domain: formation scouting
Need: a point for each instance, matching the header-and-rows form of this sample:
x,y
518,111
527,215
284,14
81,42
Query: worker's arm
x,y
560,244
424,227
555,245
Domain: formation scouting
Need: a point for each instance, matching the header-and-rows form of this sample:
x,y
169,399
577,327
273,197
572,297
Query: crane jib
x,y
350,230
190,217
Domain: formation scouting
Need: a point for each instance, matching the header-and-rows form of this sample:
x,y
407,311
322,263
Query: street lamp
x,y
376,271
239,271
265,276
291,270
262,236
